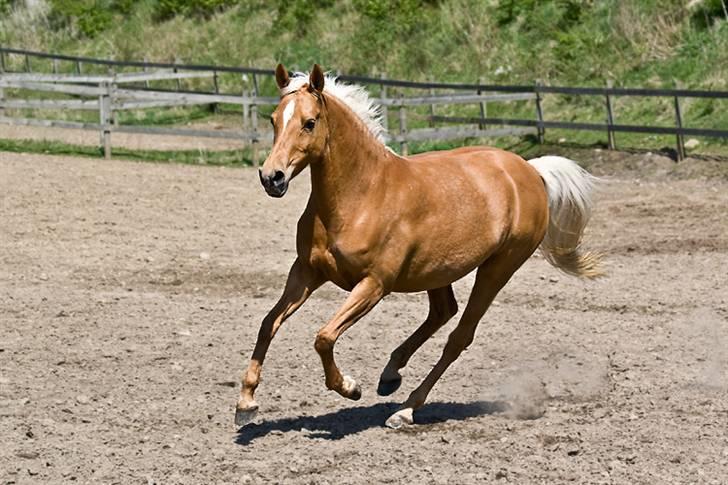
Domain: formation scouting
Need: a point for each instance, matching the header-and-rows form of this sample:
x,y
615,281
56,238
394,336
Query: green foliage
x,y
651,43
386,26
166,9
499,40
297,15
708,12
5,6
509,11
90,17
526,12
395,16
124,7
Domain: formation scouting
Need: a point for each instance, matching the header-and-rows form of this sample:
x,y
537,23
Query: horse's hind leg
x,y
489,280
442,308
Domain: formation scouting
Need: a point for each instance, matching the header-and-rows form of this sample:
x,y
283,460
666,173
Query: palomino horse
x,y
377,223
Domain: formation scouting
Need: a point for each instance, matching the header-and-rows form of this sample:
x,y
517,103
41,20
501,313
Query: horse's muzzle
x,y
275,185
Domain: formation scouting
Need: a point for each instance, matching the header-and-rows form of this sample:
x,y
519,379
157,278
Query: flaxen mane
x,y
355,97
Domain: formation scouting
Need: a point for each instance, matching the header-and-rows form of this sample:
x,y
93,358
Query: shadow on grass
x,y
349,421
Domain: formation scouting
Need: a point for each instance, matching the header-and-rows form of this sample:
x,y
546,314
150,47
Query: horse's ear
x,y
282,77
316,79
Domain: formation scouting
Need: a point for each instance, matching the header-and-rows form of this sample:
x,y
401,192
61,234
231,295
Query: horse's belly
x,y
436,279
428,270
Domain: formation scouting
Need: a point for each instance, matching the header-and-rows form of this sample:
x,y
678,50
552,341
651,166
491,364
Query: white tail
x,y
569,189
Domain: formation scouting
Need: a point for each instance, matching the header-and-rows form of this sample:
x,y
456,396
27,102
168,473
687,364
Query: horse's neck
x,y
352,165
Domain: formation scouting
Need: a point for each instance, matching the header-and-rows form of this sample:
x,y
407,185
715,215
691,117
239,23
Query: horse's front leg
x,y
302,281
365,295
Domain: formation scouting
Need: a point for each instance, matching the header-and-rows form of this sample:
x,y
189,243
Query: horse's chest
x,y
343,256
343,261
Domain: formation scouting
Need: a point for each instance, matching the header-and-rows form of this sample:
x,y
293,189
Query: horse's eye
x,y
309,125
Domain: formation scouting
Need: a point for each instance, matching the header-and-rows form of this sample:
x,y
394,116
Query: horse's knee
x,y
324,343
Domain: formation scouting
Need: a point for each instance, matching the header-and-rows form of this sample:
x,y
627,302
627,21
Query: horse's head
x,y
299,130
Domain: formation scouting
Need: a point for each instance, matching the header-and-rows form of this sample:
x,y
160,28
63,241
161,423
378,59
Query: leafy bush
x,y
166,9
708,12
397,16
297,15
5,6
90,17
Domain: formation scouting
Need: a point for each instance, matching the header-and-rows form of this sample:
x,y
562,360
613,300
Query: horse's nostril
x,y
278,177
275,184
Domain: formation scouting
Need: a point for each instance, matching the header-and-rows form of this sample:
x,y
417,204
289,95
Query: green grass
x,y
242,157
191,157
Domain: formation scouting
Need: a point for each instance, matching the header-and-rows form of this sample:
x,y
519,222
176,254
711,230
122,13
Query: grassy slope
x,y
655,43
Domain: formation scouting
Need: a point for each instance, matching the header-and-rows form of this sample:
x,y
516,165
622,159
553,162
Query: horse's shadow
x,y
348,421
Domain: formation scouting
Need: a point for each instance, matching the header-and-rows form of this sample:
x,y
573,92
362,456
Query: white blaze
x,y
288,113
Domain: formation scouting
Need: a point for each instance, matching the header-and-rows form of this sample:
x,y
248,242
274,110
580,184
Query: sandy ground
x,y
131,294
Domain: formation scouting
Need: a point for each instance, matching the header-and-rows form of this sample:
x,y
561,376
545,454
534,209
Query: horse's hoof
x,y
245,415
351,389
385,388
403,417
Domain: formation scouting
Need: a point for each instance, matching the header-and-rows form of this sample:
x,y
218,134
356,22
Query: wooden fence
x,y
109,94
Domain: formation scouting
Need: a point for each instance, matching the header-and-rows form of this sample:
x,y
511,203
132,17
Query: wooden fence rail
x,y
120,78
111,98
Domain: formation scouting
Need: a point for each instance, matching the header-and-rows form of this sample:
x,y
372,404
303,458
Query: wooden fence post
x,y
78,68
679,137
146,81
483,109
610,117
217,90
178,84
2,91
105,119
432,108
112,97
254,121
383,95
55,66
246,110
539,114
255,85
27,64
403,128
246,106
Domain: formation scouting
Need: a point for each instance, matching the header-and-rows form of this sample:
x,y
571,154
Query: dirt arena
x,y
131,294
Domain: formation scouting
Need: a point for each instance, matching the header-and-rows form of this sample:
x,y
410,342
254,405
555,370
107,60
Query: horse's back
x,y
509,182
503,178
466,204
